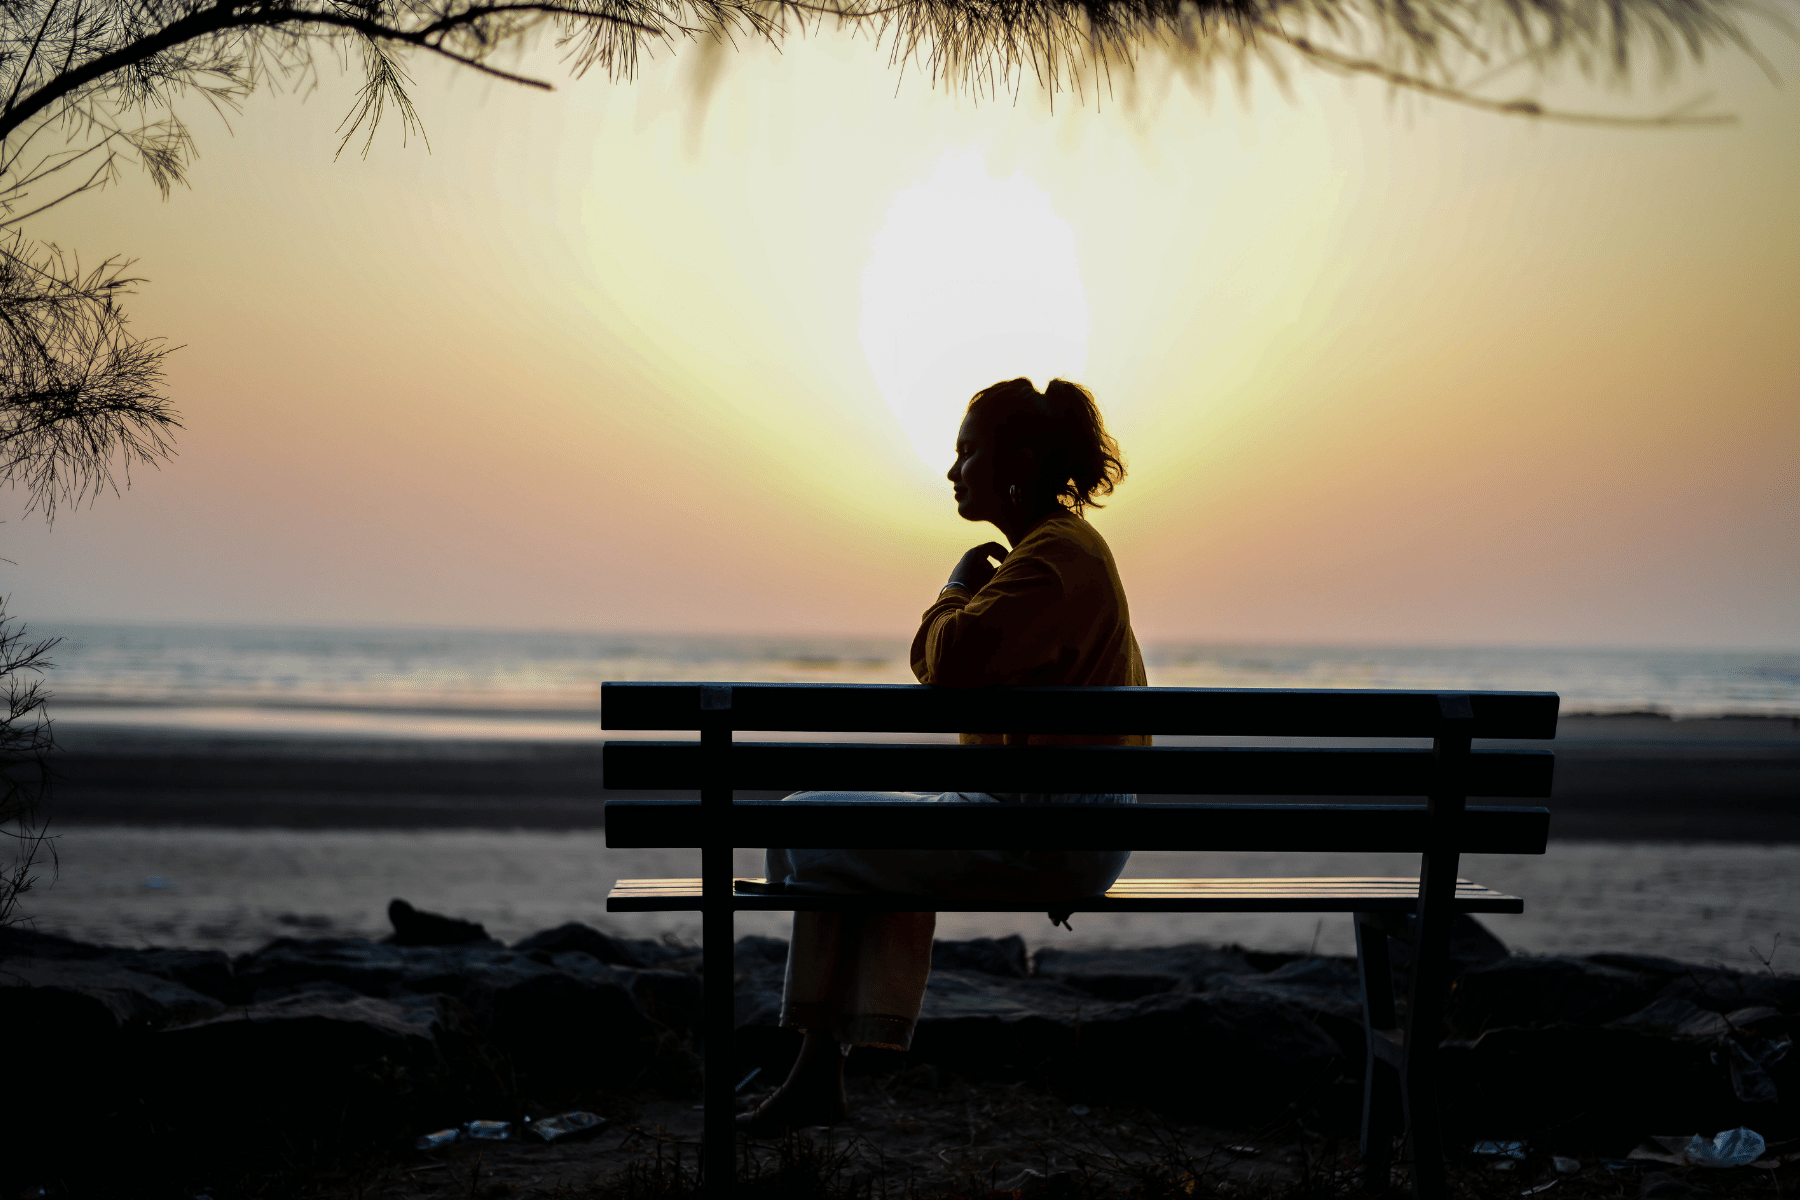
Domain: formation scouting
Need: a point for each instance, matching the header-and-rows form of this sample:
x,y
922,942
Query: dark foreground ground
x,y
310,1067
918,1138
1617,778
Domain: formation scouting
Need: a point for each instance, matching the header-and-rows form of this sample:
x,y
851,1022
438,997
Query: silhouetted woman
x,y
1054,612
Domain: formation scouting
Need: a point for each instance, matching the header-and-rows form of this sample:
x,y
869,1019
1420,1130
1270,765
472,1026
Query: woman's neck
x,y
1015,527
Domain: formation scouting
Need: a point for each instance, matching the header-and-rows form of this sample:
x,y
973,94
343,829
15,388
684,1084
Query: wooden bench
x,y
1399,1091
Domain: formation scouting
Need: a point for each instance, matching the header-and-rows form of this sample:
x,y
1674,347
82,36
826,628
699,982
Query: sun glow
x,y
970,280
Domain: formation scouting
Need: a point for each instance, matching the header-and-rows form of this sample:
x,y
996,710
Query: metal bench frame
x,y
1400,1077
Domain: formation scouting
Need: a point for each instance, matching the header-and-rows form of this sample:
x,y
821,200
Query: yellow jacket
x,y
1054,613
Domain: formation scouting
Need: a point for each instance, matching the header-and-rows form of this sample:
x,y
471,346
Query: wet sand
x,y
237,888
1669,837
1627,777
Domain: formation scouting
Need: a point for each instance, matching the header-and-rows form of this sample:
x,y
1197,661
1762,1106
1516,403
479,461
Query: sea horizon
x,y
59,627
508,683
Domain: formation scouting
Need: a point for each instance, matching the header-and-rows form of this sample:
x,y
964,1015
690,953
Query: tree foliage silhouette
x,y
25,745
90,88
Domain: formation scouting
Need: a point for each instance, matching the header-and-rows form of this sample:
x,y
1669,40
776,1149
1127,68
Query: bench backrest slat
x,y
910,708
1182,770
644,824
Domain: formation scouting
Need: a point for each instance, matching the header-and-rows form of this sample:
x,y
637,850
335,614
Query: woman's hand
x,y
973,570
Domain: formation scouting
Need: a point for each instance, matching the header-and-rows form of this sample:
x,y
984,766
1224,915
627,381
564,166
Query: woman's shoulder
x,y
1065,536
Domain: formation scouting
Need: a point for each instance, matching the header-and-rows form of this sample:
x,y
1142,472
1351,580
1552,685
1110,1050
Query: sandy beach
x,y
1669,837
1617,777
237,888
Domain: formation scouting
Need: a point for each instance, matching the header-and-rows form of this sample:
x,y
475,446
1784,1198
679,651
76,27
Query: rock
x,y
1129,974
618,952
206,971
1544,991
1651,969
1582,1085
1673,1017
1749,1043
1240,1054
1237,1056
415,927
672,998
556,1022
16,941
1327,990
992,956
91,999
971,1021
309,1065
754,952
1725,991
1472,945
556,1025
1759,1020
1315,980
761,1041
761,975
368,968
310,1028
318,988
79,1027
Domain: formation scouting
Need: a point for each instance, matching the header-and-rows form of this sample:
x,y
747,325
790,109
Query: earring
x,y
1012,493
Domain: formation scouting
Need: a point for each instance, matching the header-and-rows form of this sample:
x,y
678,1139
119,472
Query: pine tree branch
x,y
1335,60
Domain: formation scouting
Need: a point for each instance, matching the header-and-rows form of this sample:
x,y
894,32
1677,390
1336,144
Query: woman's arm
x,y
973,570
1001,634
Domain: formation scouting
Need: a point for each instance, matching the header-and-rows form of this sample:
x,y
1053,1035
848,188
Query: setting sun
x,y
970,280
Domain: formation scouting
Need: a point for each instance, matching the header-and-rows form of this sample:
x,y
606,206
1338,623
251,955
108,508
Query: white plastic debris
x,y
438,1140
1565,1166
1734,1148
1080,1110
1500,1149
568,1124
487,1131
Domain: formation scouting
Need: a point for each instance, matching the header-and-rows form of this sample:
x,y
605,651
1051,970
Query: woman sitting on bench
x,y
1053,612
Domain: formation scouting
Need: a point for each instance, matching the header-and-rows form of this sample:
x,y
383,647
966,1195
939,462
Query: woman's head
x,y
1021,449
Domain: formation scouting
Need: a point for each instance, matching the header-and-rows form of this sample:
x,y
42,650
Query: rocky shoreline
x,y
176,1057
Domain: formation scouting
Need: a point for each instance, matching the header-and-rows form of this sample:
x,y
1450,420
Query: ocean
x,y
210,696
499,684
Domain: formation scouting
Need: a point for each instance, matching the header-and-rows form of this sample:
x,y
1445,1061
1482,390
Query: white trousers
x,y
860,977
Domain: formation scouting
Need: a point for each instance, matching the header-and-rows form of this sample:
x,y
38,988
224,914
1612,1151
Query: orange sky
x,y
1384,370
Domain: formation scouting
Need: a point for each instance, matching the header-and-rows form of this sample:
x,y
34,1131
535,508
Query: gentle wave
x,y
483,683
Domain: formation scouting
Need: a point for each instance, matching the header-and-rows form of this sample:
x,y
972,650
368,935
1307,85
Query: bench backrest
x,y
717,765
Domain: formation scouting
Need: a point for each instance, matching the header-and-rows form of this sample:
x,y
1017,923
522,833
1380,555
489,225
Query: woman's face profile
x,y
975,477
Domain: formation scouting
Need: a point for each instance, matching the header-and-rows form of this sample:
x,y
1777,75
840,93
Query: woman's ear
x,y
1025,466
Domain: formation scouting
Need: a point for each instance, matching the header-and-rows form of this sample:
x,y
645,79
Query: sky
x,y
1384,369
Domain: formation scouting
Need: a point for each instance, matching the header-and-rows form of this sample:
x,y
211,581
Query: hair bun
x,y
1077,458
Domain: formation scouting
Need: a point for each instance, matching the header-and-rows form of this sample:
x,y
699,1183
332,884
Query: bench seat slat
x,y
798,824
1358,894
1180,770
910,708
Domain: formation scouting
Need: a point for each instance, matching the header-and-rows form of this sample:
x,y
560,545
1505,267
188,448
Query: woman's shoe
x,y
785,1110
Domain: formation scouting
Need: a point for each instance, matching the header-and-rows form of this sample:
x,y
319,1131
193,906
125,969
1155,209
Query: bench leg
x,y
1425,1026
718,1142
1381,1082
